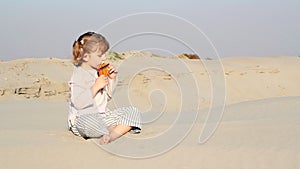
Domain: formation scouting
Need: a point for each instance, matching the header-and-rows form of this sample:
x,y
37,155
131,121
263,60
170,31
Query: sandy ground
x,y
259,127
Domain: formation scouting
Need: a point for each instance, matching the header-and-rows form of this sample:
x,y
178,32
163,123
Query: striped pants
x,y
95,125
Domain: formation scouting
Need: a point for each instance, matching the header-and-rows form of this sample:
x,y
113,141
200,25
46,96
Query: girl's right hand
x,y
100,83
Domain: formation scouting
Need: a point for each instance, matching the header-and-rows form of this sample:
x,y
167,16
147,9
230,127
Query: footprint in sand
x,y
273,71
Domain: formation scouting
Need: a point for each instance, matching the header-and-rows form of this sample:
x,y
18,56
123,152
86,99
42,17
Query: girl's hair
x,y
87,43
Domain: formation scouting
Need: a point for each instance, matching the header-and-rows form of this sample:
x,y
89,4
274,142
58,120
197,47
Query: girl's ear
x,y
85,57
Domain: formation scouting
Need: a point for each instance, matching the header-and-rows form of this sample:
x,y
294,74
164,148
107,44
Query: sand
x,y
259,127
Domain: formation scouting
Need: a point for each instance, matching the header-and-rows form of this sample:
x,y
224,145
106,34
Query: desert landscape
x,y
259,126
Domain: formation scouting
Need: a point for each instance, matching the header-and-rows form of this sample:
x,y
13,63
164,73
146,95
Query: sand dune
x,y
245,78
259,127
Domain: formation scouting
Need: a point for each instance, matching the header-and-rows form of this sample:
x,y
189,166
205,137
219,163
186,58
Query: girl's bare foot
x,y
104,139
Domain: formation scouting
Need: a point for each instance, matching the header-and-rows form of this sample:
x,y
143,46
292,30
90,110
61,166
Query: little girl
x,y
89,116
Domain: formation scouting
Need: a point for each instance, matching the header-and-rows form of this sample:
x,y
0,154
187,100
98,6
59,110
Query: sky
x,y
39,29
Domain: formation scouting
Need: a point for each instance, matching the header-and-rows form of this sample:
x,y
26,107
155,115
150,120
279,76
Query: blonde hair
x,y
87,43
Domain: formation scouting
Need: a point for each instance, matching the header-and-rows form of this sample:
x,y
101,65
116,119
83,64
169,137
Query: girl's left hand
x,y
112,71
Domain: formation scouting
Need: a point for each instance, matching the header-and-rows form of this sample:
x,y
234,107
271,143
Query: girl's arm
x,y
99,84
82,92
81,96
112,83
112,80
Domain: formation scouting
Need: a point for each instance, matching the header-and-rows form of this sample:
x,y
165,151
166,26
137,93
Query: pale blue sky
x,y
237,28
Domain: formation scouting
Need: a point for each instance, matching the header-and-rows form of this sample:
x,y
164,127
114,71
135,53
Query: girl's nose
x,y
104,56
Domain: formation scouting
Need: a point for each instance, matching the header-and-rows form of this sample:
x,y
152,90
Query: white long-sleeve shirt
x,y
82,100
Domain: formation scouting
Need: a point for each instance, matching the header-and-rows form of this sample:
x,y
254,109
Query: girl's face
x,y
95,59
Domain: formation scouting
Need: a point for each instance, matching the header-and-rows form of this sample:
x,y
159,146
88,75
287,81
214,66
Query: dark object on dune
x,y
191,56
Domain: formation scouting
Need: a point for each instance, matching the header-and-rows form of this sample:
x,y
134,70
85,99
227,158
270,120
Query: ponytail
x,y
77,52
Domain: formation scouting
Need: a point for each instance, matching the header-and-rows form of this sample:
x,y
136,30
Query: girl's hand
x,y
112,71
100,83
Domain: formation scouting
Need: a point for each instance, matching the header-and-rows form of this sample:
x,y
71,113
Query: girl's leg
x,y
111,128
114,133
105,139
118,131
